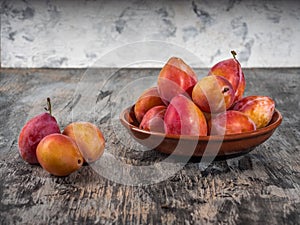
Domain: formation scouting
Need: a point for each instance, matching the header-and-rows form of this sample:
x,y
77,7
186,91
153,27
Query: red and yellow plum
x,y
59,155
213,94
183,117
175,78
230,122
88,138
154,119
232,71
259,108
33,132
146,101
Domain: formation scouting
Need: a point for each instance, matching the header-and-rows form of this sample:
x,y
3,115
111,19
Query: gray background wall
x,y
77,33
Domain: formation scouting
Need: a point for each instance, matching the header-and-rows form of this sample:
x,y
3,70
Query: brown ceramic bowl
x,y
210,146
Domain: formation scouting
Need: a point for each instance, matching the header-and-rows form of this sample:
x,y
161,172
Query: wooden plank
x,y
260,187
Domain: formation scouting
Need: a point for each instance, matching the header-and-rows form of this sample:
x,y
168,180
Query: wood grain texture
x,y
261,187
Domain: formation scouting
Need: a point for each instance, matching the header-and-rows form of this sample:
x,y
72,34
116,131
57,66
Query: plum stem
x,y
49,108
233,54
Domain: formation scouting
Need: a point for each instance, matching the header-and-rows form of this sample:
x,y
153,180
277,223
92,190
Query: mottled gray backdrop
x,y
77,33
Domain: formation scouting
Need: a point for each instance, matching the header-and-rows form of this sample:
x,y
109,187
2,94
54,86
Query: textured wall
x,y
77,33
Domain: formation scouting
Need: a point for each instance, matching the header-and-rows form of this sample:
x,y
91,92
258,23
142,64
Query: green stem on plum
x,y
233,54
49,108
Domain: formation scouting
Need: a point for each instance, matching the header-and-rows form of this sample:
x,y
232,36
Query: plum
x,y
183,117
259,108
59,155
154,119
34,131
175,78
213,94
232,71
88,138
146,101
230,122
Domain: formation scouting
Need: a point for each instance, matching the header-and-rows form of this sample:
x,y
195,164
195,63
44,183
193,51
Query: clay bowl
x,y
204,146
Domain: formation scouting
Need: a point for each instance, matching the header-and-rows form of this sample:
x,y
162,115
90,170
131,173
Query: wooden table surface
x,y
261,187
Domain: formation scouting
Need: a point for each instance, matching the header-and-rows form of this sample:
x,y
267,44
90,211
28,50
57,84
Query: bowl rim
x,y
245,135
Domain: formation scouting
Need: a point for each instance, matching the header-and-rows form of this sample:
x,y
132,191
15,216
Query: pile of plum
x,y
41,142
214,105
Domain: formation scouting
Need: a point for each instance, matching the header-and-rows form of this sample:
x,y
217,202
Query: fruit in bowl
x,y
192,104
259,108
184,117
230,122
231,69
146,101
176,77
211,109
213,94
154,119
